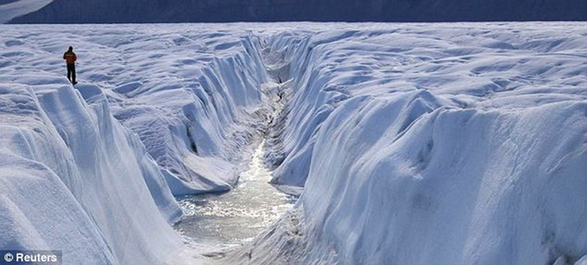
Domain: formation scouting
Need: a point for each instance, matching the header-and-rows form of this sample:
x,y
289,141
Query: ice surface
x,y
190,94
72,175
145,121
433,144
416,143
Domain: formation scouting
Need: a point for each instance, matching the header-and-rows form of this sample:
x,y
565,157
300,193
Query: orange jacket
x,y
69,57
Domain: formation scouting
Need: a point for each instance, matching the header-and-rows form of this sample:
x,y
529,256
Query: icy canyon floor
x,y
440,143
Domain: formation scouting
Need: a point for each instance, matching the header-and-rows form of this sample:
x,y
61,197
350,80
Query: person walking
x,y
70,57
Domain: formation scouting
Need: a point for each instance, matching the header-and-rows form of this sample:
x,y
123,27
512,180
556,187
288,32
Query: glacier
x,y
10,10
449,143
93,170
432,144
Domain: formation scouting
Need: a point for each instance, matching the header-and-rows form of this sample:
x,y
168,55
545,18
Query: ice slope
x,y
416,143
113,11
158,110
13,9
433,144
75,180
196,115
191,94
37,207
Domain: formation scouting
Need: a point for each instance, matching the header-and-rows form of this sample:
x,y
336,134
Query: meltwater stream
x,y
237,216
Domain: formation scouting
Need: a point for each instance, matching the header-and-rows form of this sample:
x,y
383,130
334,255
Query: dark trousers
x,y
71,72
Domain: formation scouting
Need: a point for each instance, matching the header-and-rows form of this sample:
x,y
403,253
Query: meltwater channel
x,y
237,216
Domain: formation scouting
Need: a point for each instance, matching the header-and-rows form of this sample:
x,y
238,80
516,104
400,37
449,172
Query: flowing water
x,y
237,216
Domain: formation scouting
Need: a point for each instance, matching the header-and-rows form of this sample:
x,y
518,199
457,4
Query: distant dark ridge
x,y
3,2
139,11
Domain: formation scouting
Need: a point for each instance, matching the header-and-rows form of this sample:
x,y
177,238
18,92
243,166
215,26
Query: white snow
x,y
433,144
190,94
74,178
158,110
450,143
19,8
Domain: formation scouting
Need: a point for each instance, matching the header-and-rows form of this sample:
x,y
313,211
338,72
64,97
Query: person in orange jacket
x,y
70,57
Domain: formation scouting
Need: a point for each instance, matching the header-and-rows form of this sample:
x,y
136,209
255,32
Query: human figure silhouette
x,y
70,57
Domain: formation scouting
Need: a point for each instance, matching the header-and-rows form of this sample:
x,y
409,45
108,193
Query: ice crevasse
x,y
92,171
468,148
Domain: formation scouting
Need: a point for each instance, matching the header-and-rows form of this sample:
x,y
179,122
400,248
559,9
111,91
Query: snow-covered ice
x,y
181,91
452,143
145,122
75,180
14,9
433,144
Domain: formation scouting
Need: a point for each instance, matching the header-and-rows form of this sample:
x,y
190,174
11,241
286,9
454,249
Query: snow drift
x,y
443,144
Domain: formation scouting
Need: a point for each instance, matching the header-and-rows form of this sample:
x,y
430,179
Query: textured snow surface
x,y
189,93
416,143
74,179
433,144
158,111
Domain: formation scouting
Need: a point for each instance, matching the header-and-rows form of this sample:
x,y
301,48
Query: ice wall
x,y
75,180
92,171
194,101
416,143
192,95
467,148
